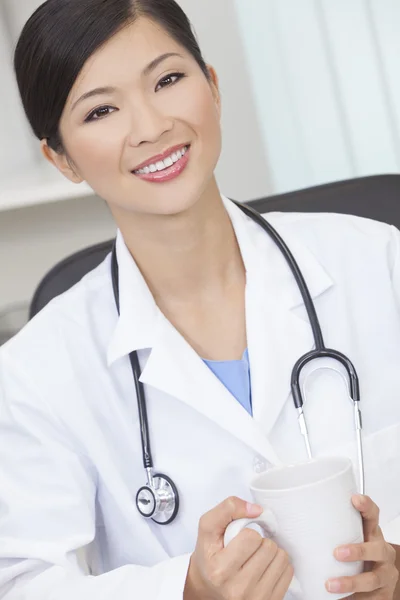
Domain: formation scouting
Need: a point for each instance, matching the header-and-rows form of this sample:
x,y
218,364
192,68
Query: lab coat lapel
x,y
278,329
136,325
173,367
278,333
176,369
277,338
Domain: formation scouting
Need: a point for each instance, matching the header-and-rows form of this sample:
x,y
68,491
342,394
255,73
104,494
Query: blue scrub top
x,y
235,375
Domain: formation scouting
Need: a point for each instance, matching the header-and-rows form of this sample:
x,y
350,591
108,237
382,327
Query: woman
x,y
119,95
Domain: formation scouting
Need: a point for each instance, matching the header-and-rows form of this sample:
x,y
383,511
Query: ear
x,y
215,86
61,162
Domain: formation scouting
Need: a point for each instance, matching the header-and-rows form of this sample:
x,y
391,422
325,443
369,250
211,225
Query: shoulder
x,y
66,325
339,236
334,224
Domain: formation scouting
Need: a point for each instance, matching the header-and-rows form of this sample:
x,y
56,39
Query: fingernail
x,y
253,510
334,585
342,553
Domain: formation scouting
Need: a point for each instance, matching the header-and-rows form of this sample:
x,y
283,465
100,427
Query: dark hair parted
x,y
62,35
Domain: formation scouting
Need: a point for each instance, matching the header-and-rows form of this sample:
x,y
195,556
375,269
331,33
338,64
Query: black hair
x,y
62,35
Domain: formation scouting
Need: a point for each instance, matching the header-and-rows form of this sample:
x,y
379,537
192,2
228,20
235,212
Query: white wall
x,y
16,141
325,75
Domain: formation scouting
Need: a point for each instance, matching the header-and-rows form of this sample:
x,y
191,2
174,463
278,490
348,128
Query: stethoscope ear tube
x,y
354,388
354,393
320,350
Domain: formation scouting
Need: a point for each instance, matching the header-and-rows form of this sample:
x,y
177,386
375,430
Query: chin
x,y
173,204
176,200
164,199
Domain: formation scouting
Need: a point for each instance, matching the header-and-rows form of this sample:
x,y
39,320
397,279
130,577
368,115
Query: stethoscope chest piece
x,y
158,501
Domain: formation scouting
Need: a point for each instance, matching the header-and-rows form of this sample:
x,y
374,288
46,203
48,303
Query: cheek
x,y
94,150
199,108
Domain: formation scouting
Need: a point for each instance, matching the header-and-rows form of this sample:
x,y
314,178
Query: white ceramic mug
x,y
308,512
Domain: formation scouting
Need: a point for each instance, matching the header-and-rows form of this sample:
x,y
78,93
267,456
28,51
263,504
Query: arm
x,y
47,511
396,287
397,591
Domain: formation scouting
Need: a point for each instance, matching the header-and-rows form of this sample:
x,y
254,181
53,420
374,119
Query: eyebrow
x,y
100,91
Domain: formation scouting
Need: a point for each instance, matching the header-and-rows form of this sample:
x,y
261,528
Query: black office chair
x,y
376,197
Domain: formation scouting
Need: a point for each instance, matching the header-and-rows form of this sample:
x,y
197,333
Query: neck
x,y
189,255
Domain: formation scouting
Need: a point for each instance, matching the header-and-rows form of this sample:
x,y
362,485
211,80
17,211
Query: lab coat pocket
x,y
382,471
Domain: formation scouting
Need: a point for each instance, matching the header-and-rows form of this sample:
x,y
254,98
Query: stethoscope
x,y
159,499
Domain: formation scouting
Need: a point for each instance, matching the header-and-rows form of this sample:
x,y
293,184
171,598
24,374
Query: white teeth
x,y
163,164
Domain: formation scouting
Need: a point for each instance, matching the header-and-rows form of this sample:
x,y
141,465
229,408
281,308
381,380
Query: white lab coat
x,y
70,450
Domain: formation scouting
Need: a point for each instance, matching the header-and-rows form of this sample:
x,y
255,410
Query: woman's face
x,y
140,96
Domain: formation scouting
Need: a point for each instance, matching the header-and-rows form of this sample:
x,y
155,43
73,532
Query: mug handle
x,y
269,526
266,521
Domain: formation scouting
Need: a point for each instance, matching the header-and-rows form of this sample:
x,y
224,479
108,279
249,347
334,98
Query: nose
x,y
148,124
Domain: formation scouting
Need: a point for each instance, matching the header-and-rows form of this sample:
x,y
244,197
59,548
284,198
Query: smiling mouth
x,y
165,170
161,165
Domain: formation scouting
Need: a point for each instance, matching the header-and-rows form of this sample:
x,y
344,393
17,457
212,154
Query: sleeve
x,y
47,511
391,530
394,260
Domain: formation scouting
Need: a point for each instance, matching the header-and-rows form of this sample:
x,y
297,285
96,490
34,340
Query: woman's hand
x,y
380,577
249,568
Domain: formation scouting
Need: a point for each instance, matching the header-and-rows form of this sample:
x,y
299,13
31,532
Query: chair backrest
x,y
66,273
376,197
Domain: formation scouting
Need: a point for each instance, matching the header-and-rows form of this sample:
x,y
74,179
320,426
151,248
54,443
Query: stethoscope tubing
x,y
135,366
320,351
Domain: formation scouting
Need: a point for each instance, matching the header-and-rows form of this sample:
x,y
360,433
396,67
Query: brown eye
x,y
169,80
99,113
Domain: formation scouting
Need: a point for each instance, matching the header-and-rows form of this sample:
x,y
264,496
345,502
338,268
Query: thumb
x,y
213,524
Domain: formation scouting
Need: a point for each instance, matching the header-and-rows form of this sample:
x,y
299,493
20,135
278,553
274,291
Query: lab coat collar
x,y
278,333
136,325
264,261
277,324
